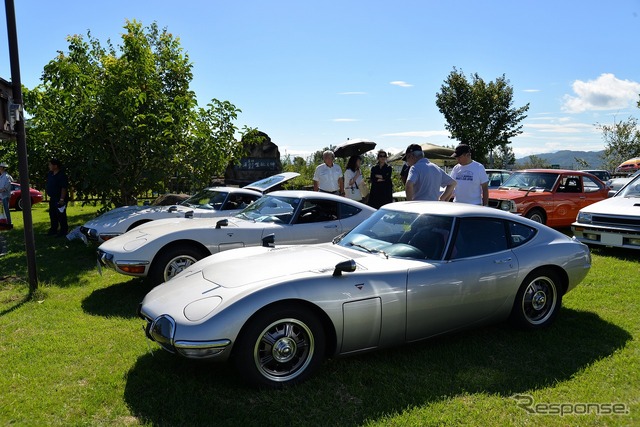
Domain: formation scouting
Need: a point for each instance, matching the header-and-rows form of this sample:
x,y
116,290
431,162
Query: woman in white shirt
x,y
353,178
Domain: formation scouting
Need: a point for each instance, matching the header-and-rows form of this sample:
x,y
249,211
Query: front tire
x,y
538,300
537,215
172,261
280,347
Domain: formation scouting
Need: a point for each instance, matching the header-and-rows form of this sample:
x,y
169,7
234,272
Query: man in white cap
x,y
5,191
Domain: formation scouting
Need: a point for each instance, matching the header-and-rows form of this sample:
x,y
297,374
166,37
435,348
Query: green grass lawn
x,y
77,355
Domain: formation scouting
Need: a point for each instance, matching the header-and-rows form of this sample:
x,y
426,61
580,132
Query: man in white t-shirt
x,y
472,179
328,176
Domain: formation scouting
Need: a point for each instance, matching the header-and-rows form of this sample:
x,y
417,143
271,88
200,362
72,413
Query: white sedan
x,y
612,222
209,203
161,249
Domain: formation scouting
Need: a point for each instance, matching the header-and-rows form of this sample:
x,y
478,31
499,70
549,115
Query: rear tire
x,y
172,260
538,300
280,347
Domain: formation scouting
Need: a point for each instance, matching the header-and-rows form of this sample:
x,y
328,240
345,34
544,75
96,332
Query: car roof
x,y
450,209
552,171
315,195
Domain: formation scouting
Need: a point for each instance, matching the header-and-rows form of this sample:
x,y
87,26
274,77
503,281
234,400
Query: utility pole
x,y
23,167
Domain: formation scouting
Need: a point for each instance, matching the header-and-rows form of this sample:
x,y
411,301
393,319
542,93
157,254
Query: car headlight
x,y
162,329
585,218
508,205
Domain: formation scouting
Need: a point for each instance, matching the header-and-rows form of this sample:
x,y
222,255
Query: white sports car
x,y
209,203
161,249
411,271
612,222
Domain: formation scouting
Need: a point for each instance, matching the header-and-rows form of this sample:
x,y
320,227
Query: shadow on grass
x,y
167,390
622,254
120,300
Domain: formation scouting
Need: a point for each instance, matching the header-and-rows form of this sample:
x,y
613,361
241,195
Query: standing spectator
x,y
404,173
425,178
381,184
328,176
353,178
472,179
57,190
5,192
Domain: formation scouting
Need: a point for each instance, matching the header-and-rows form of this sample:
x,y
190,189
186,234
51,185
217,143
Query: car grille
x,y
616,221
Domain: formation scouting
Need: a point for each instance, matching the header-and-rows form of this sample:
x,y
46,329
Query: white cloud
x,y
562,128
400,83
344,120
531,90
352,93
605,93
420,133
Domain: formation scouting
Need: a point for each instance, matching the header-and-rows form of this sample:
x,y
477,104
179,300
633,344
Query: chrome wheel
x,y
536,216
538,300
281,345
283,350
177,264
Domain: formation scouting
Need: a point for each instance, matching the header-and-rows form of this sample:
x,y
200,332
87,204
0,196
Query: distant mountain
x,y
566,159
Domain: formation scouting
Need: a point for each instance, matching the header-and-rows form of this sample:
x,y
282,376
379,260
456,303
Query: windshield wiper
x,y
242,214
371,251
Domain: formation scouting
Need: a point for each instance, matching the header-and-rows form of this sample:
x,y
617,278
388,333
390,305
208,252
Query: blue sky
x,y
312,74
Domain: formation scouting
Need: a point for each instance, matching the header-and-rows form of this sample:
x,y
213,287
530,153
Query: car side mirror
x,y
345,266
222,223
269,240
172,209
188,214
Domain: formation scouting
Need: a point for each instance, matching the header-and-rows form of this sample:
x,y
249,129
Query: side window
x,y
479,236
570,184
345,210
590,185
317,211
520,234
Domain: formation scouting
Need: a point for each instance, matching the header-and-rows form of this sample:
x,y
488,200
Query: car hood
x,y
171,226
122,212
618,206
513,194
241,271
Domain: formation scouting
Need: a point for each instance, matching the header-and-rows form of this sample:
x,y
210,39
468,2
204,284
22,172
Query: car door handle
x,y
583,197
331,226
502,261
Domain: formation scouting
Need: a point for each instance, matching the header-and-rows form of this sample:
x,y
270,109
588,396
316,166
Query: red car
x,y
15,200
549,196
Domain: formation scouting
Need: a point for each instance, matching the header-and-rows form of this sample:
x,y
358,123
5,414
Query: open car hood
x,y
268,183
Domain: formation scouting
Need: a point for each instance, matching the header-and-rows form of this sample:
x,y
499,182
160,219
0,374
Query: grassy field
x,y
77,355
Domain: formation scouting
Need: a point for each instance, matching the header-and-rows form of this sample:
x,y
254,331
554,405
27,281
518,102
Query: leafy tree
x,y
502,157
536,162
124,120
622,142
582,163
478,113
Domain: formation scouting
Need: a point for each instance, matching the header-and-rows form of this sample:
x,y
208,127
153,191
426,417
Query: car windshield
x,y
529,180
401,234
632,189
271,209
206,199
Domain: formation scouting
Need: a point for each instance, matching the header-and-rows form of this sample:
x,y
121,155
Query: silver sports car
x,y
163,248
411,271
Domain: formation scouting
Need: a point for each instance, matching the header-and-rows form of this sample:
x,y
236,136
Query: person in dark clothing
x,y
381,185
57,190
